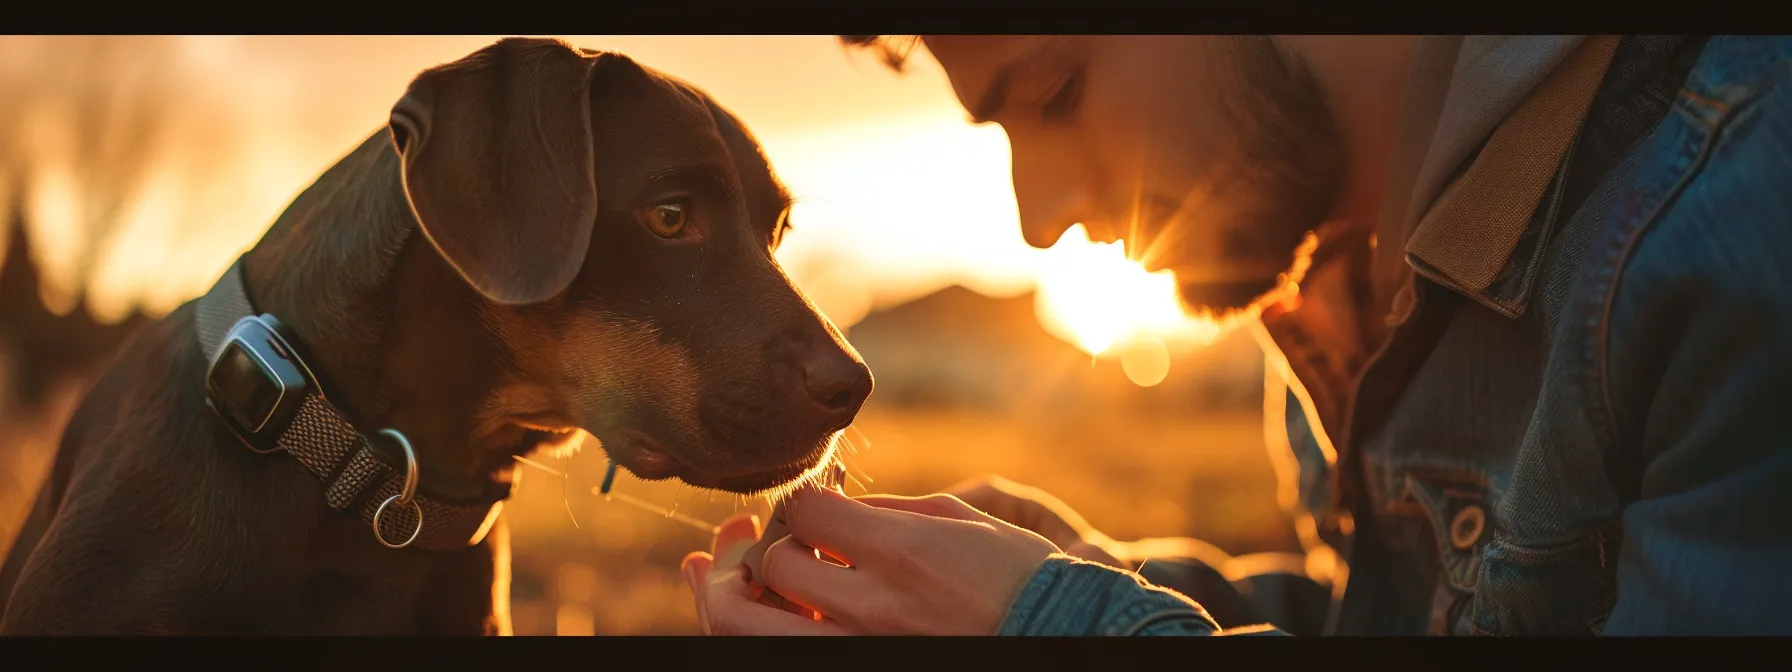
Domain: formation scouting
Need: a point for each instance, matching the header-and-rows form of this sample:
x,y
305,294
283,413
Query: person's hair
x,y
893,50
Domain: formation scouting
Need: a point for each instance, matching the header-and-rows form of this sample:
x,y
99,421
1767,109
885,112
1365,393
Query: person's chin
x,y
1224,299
1235,287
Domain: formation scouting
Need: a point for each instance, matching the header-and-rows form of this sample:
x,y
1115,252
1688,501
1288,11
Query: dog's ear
x,y
497,162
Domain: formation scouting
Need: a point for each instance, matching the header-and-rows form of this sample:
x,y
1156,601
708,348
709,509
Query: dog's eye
x,y
667,220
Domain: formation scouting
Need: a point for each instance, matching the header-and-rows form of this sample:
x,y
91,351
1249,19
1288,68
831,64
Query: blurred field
x,y
140,165
1174,459
1130,470
1204,477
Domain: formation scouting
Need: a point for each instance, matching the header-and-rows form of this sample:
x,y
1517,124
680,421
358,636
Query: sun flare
x,y
1091,295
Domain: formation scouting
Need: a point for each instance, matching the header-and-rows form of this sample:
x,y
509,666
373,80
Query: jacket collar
x,y
1487,120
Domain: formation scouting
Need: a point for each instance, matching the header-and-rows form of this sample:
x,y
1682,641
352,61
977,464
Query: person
x,y
1527,297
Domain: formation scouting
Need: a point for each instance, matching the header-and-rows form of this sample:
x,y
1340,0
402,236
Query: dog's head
x,y
609,233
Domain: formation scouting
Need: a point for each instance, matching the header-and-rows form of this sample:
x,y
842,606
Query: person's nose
x,y
1050,191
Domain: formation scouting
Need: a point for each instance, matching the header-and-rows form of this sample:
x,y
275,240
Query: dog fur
x,y
479,275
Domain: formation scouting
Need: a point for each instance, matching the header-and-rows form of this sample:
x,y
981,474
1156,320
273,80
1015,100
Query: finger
x,y
841,526
792,570
738,533
1093,553
699,571
938,505
771,598
981,490
951,507
980,483
705,564
732,610
1042,501
696,573
996,496
766,596
1025,506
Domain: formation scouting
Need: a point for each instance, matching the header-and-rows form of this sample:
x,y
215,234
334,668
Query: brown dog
x,y
545,239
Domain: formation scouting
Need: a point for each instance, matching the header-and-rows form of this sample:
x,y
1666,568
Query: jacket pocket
x,y
1460,522
1554,590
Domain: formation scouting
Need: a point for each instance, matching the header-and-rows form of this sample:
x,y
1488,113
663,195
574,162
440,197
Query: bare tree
x,y
112,98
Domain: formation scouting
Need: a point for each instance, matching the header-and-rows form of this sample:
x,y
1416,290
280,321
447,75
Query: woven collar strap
x,y
354,476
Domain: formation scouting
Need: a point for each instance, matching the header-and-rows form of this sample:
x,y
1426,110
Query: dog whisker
x,y
565,499
855,481
673,514
538,465
862,438
848,462
855,464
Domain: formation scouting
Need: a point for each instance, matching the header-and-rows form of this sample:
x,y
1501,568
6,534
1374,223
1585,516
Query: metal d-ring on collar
x,y
406,496
320,438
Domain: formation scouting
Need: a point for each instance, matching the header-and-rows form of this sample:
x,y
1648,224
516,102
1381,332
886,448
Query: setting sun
x,y
1093,296
896,195
136,169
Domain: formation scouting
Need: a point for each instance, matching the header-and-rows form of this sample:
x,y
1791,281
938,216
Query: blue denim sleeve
x,y
1072,597
1699,380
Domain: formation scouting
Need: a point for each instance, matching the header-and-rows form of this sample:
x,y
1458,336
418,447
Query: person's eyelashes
x,y
1061,107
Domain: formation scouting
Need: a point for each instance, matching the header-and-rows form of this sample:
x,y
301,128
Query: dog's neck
x,y
322,268
348,271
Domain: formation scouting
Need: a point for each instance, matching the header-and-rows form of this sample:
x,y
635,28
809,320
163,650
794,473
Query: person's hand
x,y
728,586
917,565
1033,509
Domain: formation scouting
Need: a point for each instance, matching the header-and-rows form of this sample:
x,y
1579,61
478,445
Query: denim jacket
x,y
1591,444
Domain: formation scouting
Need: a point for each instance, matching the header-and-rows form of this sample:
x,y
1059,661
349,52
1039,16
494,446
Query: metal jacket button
x,y
1466,528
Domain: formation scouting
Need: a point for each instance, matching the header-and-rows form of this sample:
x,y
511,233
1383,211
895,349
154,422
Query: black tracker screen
x,y
248,389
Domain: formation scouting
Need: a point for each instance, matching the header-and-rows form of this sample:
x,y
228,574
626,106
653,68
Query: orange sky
x,y
898,194
884,166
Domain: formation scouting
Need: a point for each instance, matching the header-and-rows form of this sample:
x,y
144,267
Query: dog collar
x,y
261,388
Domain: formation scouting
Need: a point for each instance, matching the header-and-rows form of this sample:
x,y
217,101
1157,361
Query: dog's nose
x,y
839,384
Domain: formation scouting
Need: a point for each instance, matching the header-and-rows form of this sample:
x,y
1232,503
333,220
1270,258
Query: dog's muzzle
x,y
262,389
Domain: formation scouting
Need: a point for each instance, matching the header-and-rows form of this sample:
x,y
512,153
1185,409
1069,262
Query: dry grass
x,y
1132,473
617,573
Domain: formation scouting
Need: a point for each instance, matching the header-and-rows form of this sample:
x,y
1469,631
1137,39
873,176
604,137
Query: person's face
x,y
1210,156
